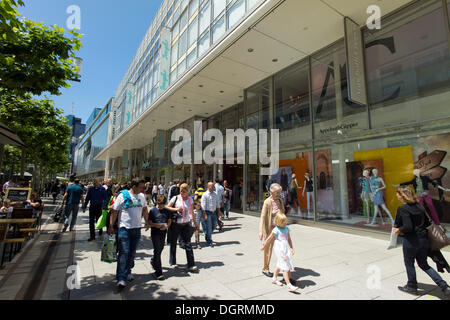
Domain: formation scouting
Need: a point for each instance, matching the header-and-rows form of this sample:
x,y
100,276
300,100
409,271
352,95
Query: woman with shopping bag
x,y
412,225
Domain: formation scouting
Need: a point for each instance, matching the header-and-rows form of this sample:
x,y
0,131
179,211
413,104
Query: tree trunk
x,y
22,163
2,152
33,179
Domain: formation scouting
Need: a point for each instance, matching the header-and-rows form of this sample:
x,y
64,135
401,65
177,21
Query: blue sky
x,y
112,32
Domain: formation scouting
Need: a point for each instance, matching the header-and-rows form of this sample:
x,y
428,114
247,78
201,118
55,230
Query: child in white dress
x,y
283,250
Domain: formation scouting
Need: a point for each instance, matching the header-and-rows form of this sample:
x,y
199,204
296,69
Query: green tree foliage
x,y
34,58
41,127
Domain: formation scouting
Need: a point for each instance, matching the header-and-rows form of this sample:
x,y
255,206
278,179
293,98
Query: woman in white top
x,y
182,224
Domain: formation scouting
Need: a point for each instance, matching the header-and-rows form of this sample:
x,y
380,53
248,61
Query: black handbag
x,y
436,235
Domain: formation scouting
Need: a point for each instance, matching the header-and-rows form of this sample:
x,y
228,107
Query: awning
x,y
7,136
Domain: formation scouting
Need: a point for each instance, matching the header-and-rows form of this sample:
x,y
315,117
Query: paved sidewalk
x,y
329,265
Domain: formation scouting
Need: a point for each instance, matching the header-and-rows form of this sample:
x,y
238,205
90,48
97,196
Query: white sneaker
x,y
130,277
292,288
121,284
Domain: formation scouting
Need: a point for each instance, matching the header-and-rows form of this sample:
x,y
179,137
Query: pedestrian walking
x,y
411,224
271,207
73,195
154,193
227,195
97,198
115,226
148,192
284,250
54,190
219,189
129,208
174,191
198,213
160,219
183,222
210,204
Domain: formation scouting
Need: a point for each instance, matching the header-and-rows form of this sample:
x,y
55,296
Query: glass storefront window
x,y
218,29
235,13
292,101
203,43
258,117
333,113
409,59
205,17
193,32
356,179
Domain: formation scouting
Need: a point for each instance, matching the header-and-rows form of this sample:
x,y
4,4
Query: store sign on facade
x,y
145,164
164,60
357,91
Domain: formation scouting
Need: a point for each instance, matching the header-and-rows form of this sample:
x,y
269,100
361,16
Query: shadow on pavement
x,y
144,287
432,290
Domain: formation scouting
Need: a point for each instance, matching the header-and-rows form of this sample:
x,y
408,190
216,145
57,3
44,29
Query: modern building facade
x,y
91,143
78,129
290,65
92,116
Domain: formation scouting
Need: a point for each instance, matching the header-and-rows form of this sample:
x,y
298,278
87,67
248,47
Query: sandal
x,y
275,281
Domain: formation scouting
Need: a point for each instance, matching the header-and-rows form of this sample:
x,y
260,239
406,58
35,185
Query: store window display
x,y
308,187
364,187
377,186
421,184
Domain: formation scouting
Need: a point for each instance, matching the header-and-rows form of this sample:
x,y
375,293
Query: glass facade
x,y
195,26
85,165
339,161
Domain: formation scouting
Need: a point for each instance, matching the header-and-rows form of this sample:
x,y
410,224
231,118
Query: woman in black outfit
x,y
411,223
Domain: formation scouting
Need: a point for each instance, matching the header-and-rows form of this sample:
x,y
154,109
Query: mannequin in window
x,y
293,193
421,186
284,185
364,189
308,186
377,186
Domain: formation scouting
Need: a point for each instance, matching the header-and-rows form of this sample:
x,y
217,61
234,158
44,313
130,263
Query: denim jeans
x,y
227,207
128,241
211,224
415,248
183,230
158,239
94,213
71,209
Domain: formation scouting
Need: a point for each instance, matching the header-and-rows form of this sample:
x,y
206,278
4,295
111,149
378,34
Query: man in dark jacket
x,y
97,197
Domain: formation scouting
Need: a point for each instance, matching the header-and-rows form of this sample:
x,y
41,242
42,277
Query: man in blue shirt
x,y
97,198
74,194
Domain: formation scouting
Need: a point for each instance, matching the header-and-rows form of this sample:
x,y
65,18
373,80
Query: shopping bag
x,y
109,249
393,240
101,222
